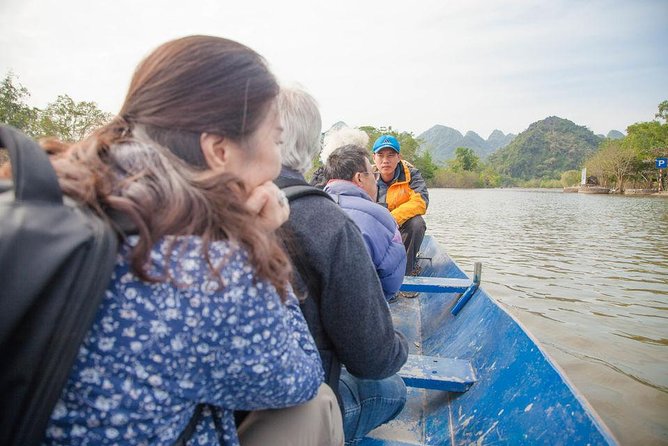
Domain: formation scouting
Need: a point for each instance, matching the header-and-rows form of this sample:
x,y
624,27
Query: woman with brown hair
x,y
198,312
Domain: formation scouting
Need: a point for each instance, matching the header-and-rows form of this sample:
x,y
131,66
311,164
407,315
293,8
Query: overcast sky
x,y
470,64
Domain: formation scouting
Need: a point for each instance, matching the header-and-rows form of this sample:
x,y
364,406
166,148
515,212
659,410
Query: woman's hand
x,y
270,205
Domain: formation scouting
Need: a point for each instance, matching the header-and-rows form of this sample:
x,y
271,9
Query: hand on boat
x,y
270,205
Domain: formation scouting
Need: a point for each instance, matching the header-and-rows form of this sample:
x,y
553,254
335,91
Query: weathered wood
x,y
436,373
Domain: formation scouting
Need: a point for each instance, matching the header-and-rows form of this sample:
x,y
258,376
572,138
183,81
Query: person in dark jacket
x,y
345,306
403,190
351,182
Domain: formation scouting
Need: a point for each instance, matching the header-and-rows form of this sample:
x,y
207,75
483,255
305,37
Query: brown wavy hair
x,y
147,164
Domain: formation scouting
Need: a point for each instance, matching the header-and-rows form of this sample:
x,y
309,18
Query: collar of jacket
x,y
404,175
345,187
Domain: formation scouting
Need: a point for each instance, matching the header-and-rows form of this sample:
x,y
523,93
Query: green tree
x,y
570,178
490,177
648,140
465,159
463,179
71,121
614,162
13,109
426,166
663,112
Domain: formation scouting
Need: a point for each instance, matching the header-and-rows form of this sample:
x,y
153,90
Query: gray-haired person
x,y
345,307
333,139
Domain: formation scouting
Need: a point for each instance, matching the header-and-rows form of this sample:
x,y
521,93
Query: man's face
x,y
368,182
386,161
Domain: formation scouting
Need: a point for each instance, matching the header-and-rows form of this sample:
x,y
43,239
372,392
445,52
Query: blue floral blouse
x,y
156,350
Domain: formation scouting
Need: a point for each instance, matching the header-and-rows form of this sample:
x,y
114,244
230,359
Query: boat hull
x,y
520,397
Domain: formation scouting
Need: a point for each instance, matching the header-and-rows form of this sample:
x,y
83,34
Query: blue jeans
x,y
368,403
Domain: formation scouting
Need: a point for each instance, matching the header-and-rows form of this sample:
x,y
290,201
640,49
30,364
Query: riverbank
x,y
605,191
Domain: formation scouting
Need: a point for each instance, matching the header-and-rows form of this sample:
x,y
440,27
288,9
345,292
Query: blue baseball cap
x,y
386,141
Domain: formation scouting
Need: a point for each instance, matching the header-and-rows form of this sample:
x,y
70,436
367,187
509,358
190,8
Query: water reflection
x,y
587,274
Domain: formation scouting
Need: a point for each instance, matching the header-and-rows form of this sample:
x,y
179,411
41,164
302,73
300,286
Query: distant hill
x,y
546,149
615,134
337,125
442,141
498,140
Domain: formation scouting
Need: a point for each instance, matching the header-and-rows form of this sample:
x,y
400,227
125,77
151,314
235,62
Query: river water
x,y
588,276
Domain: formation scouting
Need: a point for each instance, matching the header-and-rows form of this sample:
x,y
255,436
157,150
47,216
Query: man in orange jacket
x,y
403,190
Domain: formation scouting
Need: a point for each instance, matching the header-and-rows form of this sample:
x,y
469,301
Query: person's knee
x,y
391,388
316,422
375,402
332,424
414,225
396,388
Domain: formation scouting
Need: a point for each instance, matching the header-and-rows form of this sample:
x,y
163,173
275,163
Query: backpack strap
x,y
297,191
296,188
33,175
189,431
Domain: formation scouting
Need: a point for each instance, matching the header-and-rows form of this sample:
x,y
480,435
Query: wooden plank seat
x,y
434,285
436,373
465,287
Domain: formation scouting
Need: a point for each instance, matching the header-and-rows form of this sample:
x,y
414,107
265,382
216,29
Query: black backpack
x,y
56,259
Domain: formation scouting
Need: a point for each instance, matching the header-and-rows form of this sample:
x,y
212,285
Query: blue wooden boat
x,y
478,377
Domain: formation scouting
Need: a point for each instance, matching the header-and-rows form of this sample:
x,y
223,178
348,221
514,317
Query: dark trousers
x,y
412,233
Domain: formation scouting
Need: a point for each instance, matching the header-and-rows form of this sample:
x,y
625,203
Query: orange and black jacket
x,y
407,195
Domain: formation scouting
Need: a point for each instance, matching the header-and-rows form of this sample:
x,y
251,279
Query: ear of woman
x,y
218,151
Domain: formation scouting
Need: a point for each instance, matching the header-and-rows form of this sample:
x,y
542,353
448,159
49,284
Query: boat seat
x,y
465,287
434,284
436,373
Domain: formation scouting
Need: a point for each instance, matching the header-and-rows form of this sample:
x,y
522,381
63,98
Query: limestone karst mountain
x,y
442,141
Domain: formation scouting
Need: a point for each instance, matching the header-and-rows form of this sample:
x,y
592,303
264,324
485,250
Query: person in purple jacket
x,y
351,182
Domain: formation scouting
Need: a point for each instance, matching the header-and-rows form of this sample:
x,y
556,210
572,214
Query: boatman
x,y
403,190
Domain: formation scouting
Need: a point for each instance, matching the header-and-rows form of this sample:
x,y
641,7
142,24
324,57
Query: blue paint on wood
x,y
519,397
470,291
434,284
368,441
436,373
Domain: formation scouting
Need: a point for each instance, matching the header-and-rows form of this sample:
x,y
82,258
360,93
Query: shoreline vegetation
x,y
548,154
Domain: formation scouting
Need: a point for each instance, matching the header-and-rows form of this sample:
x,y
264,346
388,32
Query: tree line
x,y
630,162
617,163
63,118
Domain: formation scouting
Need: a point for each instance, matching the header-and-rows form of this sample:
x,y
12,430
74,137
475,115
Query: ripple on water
x,y
587,274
